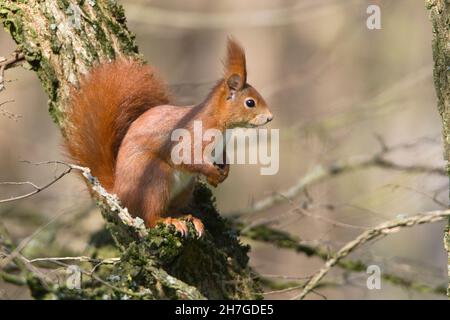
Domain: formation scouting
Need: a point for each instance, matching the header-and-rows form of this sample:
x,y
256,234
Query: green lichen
x,y
439,11
104,42
215,266
9,15
164,264
284,240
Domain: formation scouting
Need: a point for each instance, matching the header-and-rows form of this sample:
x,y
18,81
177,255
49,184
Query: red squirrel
x,y
121,124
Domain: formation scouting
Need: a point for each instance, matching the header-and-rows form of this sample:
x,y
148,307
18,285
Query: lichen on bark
x,y
439,11
61,40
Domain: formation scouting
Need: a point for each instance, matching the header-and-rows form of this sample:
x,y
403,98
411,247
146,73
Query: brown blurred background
x,y
333,86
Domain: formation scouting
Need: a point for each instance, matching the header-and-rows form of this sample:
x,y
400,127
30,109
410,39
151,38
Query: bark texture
x,y
61,40
440,18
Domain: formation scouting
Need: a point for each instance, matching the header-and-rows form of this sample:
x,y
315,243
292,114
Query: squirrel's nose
x,y
269,118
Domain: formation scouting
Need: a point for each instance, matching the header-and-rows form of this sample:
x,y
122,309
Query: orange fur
x,y
121,125
235,63
107,101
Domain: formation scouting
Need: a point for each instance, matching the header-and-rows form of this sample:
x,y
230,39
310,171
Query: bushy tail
x,y
108,100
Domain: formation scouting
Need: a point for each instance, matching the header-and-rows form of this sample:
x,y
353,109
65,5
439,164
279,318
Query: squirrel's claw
x,y
198,224
181,226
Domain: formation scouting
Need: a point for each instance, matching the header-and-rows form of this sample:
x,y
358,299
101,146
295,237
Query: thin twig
x,y
6,63
284,240
37,189
289,289
26,241
9,114
377,232
321,172
110,200
431,197
79,259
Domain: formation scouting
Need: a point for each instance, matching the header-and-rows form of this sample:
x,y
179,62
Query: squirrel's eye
x,y
250,103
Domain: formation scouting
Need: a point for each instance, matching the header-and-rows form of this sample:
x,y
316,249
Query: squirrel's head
x,y
243,105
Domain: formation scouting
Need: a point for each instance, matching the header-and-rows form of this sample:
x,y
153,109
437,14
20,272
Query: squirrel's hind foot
x,y
181,226
198,224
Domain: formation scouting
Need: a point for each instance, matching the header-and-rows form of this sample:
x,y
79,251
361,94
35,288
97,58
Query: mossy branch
x,y
284,240
439,11
60,41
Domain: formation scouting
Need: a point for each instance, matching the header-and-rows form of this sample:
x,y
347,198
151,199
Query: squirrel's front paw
x,y
219,174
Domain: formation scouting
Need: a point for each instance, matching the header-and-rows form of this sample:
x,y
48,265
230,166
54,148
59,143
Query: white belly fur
x,y
180,180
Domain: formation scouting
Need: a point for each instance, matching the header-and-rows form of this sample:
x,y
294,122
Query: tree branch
x,y
379,231
439,11
322,172
286,241
6,63
61,40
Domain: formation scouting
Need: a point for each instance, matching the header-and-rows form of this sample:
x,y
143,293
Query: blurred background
x,y
337,91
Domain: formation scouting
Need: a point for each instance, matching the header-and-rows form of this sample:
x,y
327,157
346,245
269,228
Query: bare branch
x,y
8,114
37,189
6,63
19,261
79,259
304,210
335,223
320,172
377,232
110,200
433,197
284,240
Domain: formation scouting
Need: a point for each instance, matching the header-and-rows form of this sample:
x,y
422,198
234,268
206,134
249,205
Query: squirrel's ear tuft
x,y
235,64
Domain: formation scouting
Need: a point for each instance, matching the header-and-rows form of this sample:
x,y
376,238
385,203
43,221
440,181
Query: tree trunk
x,y
62,39
440,19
